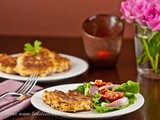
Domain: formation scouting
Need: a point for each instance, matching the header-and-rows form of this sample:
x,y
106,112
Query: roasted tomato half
x,y
100,83
111,96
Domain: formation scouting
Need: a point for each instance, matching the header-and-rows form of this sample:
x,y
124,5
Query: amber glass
x,y
102,38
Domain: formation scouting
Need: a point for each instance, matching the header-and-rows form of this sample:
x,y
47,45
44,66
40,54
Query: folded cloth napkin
x,y
12,85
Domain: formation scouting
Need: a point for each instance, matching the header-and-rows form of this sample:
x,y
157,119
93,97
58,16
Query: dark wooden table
x,y
125,70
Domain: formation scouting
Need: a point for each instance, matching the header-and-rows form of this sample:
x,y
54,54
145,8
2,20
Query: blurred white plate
x,y
78,66
37,102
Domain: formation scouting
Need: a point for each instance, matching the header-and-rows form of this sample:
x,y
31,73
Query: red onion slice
x,y
117,103
93,90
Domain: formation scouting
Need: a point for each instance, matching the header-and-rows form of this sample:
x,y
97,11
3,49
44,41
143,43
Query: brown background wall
x,y
52,17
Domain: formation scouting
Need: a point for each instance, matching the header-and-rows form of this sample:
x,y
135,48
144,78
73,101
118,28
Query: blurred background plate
x,y
78,66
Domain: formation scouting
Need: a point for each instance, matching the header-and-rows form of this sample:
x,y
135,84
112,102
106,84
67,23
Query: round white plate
x,y
78,66
37,102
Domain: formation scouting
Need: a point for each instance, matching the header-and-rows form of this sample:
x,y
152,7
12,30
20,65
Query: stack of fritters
x,y
72,101
43,63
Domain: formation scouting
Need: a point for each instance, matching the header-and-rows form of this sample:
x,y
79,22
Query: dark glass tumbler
x,y
102,38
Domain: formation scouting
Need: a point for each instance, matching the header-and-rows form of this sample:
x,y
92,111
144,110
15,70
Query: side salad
x,y
107,96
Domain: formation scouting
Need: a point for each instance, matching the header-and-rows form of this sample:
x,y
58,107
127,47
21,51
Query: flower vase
x,y
147,49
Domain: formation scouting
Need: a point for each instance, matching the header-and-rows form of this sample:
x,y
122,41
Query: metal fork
x,y
25,88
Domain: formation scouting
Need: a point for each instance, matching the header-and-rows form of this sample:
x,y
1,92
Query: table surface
x,y
125,70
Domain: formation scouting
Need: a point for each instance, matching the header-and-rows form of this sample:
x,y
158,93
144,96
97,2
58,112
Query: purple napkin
x,y
12,85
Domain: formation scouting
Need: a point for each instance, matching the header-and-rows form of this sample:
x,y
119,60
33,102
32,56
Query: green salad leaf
x,y
103,109
34,49
80,88
96,99
84,88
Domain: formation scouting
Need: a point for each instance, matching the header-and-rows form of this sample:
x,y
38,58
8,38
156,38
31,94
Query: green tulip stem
x,y
148,53
156,63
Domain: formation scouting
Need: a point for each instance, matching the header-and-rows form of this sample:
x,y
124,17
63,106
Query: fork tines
x,y
28,85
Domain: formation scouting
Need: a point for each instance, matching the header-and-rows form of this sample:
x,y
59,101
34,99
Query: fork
x,y
25,88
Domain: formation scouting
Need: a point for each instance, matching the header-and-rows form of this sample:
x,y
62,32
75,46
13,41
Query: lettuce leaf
x,y
101,109
80,88
84,88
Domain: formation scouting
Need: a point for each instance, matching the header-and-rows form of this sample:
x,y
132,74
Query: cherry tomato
x,y
100,83
111,96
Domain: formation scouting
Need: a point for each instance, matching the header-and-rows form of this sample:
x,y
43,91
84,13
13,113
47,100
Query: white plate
x,y
37,102
78,66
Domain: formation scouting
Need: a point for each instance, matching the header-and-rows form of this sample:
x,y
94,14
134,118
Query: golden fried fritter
x,y
72,101
62,64
43,63
7,63
39,64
